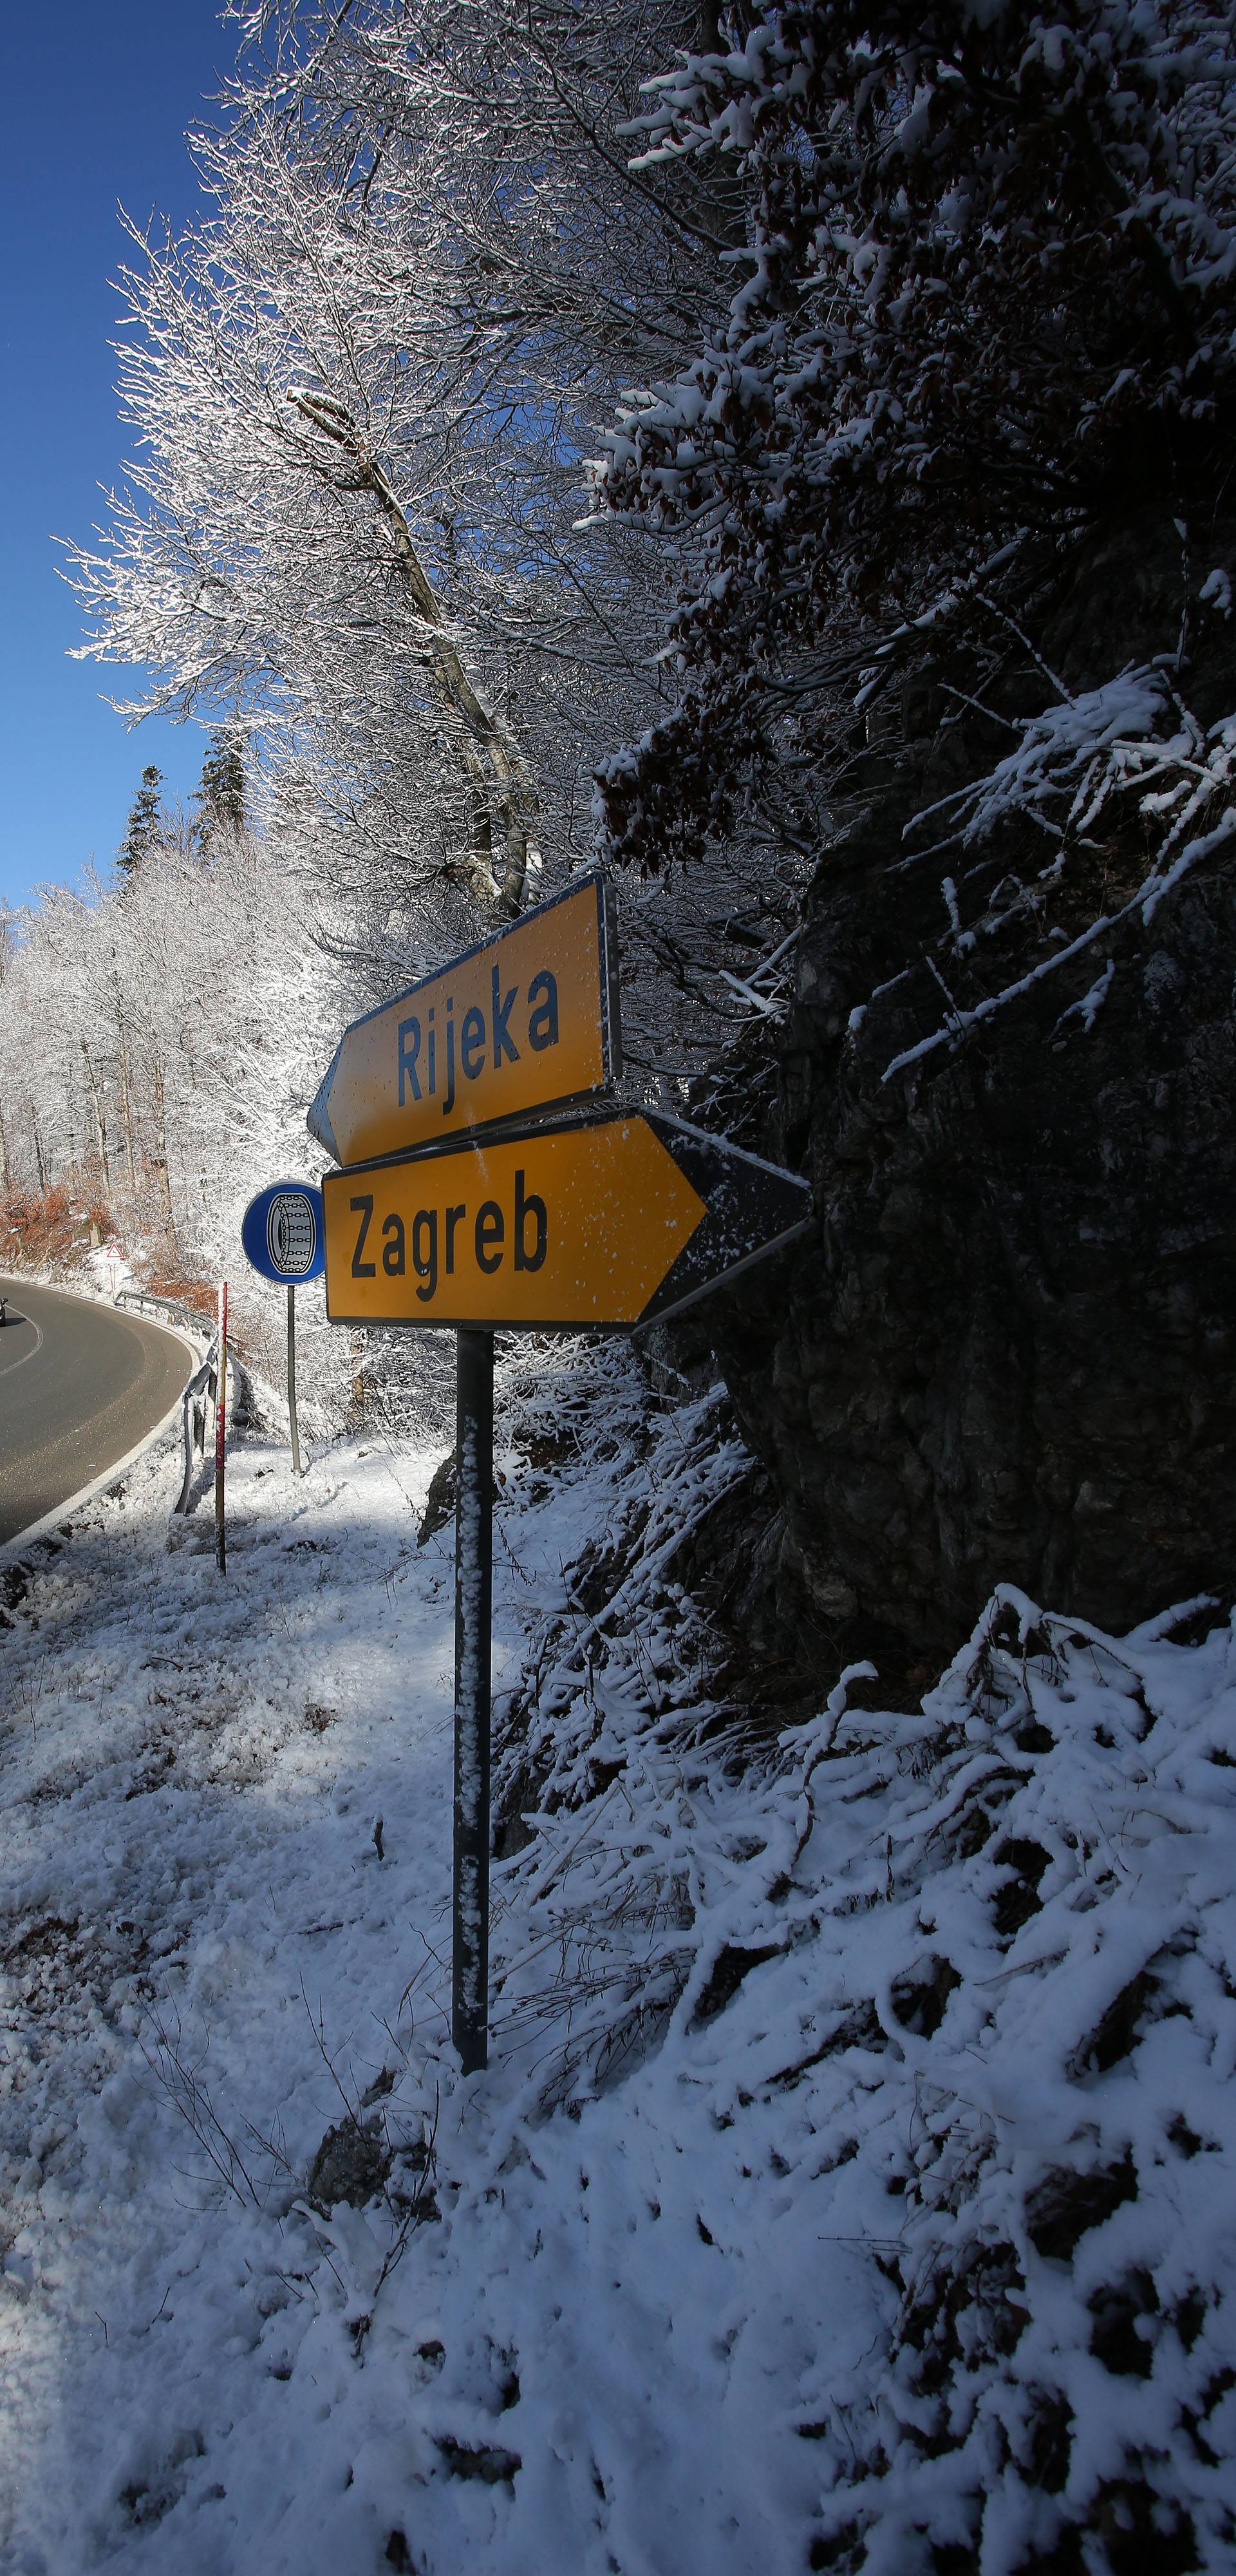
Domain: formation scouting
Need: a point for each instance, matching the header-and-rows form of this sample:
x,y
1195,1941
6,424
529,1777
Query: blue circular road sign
x,y
281,1231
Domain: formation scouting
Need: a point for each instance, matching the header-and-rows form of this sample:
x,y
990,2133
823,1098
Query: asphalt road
x,y
80,1386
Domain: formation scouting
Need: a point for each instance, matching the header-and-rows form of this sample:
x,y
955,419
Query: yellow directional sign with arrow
x,y
608,1224
527,1021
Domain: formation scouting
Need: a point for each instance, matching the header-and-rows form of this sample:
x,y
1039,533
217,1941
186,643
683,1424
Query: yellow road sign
x,y
527,1021
607,1224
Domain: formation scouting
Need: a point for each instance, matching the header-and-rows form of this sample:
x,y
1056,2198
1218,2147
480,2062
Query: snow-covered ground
x,y
852,2183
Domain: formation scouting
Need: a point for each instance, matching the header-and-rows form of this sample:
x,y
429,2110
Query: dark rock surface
x,y
1005,1350
351,2164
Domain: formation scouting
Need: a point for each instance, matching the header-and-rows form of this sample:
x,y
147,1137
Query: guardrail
x,y
203,1387
164,1306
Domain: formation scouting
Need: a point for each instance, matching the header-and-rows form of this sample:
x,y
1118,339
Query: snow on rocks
x,y
851,2185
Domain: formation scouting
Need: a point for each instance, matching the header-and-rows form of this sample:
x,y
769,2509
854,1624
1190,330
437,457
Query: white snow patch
x,y
854,2170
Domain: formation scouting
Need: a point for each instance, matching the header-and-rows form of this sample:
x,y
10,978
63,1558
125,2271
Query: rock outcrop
x,y
1006,1349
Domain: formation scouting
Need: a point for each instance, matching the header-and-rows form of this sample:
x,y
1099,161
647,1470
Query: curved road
x,y
80,1386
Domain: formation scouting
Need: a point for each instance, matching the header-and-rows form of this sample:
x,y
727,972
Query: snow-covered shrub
x,y
951,1986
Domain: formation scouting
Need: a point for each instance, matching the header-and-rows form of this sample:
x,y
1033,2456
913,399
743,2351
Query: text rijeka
x,y
432,1046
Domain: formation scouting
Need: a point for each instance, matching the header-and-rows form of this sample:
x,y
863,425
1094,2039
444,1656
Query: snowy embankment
x,y
852,2183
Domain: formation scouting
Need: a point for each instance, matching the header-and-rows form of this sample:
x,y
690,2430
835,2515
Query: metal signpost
x,y
283,1238
474,1562
463,1201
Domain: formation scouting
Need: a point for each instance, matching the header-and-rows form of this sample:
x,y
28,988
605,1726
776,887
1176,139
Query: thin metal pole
x,y
292,1378
221,1430
474,1468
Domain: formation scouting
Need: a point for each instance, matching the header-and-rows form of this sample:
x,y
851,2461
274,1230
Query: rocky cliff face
x,y
1005,1349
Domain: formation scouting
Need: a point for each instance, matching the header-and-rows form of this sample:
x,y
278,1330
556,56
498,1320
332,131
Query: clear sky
x,y
97,97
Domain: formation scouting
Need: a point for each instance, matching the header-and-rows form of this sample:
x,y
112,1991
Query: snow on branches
x,y
986,292
363,391
1131,740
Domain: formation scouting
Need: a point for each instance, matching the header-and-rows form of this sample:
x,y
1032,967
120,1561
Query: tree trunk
x,y
100,1124
126,1104
165,1177
499,784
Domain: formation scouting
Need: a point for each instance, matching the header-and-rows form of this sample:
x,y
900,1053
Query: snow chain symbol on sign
x,y
291,1234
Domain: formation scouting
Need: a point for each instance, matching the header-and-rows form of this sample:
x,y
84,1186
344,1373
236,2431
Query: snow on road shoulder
x,y
852,2183
182,1758
227,1851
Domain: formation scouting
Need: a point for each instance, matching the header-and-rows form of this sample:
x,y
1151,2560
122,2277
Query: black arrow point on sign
x,y
750,1208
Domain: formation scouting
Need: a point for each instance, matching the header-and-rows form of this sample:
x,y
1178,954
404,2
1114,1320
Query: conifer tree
x,y
144,824
220,798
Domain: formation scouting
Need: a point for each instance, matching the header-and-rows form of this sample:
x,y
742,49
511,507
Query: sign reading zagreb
x,y
527,1021
283,1234
609,1224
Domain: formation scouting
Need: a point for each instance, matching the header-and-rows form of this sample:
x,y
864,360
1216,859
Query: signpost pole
x,y
221,1429
474,1456
282,1234
292,1378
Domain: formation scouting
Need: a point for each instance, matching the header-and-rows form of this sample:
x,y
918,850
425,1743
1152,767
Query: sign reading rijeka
x,y
527,1021
608,1224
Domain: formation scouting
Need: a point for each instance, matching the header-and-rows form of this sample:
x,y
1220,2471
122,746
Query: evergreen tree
x,y
144,824
220,797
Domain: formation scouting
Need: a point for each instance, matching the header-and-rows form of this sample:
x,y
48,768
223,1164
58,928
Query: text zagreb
x,y
431,1237
430,1049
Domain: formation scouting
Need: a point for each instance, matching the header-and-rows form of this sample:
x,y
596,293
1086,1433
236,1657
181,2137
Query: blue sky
x,y
98,94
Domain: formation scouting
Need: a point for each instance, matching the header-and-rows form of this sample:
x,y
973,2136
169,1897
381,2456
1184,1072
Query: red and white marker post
x,y
221,1430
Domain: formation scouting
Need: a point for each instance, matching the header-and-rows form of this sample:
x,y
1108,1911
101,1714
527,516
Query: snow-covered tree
x,y
365,391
